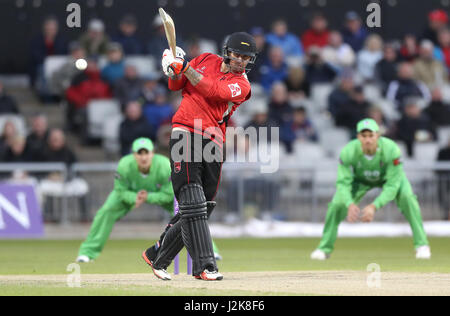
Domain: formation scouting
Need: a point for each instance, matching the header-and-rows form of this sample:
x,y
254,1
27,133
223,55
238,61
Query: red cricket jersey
x,y
213,99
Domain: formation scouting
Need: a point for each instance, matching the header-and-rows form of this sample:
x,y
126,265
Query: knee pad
x,y
192,201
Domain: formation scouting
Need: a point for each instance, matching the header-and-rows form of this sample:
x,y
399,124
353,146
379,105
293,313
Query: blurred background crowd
x,y
314,84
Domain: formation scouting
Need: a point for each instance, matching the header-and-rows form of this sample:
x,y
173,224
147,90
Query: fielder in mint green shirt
x,y
365,163
141,177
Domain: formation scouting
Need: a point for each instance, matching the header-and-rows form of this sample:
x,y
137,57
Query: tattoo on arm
x,y
193,76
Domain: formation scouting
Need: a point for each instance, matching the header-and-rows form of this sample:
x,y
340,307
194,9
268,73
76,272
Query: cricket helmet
x,y
240,43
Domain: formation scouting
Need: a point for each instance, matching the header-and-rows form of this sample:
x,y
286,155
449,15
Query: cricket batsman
x,y
368,162
212,88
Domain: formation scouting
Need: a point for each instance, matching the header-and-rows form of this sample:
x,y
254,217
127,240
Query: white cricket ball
x,y
81,64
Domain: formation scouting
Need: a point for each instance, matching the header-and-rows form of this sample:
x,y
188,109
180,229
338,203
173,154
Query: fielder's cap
x,y
142,143
367,124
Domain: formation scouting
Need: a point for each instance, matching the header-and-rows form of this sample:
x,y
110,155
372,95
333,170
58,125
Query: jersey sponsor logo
x,y
201,70
177,167
235,90
372,175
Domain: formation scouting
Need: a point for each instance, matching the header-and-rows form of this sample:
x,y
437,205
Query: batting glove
x,y
173,66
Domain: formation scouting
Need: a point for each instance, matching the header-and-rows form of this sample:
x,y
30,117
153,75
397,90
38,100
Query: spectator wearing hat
x,y
115,68
134,126
437,20
127,37
62,77
354,33
281,37
386,68
8,104
95,41
299,128
48,43
317,34
427,69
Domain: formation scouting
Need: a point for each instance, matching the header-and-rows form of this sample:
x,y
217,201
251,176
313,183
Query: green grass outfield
x,y
44,257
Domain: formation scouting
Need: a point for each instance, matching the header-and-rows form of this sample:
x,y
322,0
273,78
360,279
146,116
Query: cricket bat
x,y
169,27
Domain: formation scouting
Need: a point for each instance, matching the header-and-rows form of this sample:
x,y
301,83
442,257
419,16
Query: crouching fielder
x,y
369,162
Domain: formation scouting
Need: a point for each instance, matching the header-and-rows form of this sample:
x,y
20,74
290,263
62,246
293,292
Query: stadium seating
x,y
110,134
52,64
443,136
426,151
145,65
98,113
333,140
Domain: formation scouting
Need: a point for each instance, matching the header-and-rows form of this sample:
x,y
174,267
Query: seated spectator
x,y
296,84
409,50
341,95
281,37
405,86
354,33
337,53
414,126
18,151
62,77
8,134
317,70
126,36
427,69
444,182
299,128
134,125
349,113
369,56
262,47
95,41
129,87
444,44
115,68
437,110
7,103
163,139
317,34
160,111
38,137
386,68
260,119
57,149
150,85
274,68
48,43
377,114
280,110
437,20
85,87
158,40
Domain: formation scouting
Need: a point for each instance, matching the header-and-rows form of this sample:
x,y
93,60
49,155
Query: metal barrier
x,y
296,192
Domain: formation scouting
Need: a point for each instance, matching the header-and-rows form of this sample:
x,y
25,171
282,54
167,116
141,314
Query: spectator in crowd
x,y
8,104
163,138
444,182
377,114
129,87
405,86
193,49
260,119
57,149
349,113
427,69
18,151
354,33
386,68
281,37
342,94
317,34
262,48
158,41
298,87
95,41
337,53
115,68
274,68
317,70
8,134
414,126
150,86
85,87
280,110
299,128
444,43
159,112
127,37
62,77
409,50
369,56
437,110
48,43
134,126
38,137
437,20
